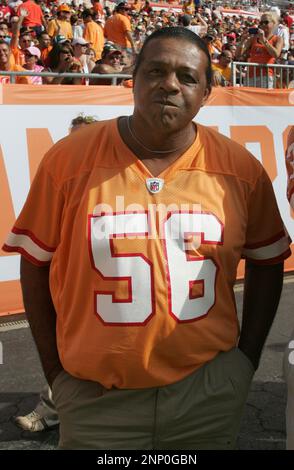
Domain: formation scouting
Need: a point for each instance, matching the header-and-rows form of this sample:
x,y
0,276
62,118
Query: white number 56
x,y
182,270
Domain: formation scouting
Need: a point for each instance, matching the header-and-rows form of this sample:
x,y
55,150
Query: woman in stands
x,y
262,47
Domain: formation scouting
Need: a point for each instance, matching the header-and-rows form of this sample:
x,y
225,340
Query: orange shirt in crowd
x,y
115,30
136,6
142,281
18,80
258,53
44,54
93,33
218,44
35,14
18,55
11,60
189,7
98,8
65,29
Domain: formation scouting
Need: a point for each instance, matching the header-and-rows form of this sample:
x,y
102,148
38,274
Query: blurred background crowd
x,y
104,37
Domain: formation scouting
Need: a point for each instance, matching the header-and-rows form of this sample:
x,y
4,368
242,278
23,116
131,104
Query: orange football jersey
x,y
290,167
143,268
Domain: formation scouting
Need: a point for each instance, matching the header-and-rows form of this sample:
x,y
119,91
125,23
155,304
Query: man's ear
x,y
206,95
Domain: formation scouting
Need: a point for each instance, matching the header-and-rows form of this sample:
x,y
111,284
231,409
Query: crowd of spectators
x,y
99,36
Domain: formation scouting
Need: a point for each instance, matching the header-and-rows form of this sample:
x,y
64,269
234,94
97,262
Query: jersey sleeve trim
x,y
25,243
18,231
278,259
271,253
267,242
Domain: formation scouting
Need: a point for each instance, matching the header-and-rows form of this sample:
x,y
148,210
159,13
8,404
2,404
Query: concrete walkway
x,y
263,426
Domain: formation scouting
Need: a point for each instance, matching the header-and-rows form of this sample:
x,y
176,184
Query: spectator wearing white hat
x,y
32,56
80,46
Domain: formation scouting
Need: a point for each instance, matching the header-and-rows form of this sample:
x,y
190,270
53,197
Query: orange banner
x,y
35,117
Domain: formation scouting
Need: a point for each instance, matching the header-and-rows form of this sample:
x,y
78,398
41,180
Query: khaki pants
x,y
46,407
202,411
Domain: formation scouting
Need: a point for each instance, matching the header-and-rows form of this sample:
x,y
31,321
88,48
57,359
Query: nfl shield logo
x,y
154,185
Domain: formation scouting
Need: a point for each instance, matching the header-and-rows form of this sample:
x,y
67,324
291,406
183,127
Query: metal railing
x,y
114,77
261,75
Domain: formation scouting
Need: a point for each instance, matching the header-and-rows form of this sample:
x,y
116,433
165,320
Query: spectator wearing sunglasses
x,y
262,47
112,62
4,32
61,60
3,38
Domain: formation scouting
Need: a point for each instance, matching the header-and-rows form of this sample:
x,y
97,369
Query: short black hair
x,y
88,12
186,20
121,6
177,32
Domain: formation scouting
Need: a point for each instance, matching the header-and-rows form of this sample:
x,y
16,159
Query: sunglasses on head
x,y
265,22
2,37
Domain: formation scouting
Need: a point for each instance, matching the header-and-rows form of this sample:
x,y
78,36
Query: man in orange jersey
x,y
289,354
130,240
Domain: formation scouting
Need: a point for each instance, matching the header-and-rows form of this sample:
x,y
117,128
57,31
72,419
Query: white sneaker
x,y
32,422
